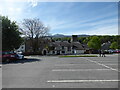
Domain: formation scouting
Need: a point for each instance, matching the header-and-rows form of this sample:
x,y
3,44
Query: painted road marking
x,y
102,64
80,69
111,64
79,81
78,64
109,61
71,64
106,61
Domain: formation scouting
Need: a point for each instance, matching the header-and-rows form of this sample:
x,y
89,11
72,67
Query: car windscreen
x,y
7,53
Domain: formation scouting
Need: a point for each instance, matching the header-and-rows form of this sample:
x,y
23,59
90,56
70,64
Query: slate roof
x,y
65,44
106,46
76,45
85,46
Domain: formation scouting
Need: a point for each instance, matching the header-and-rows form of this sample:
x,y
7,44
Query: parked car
x,y
109,51
0,57
114,51
117,51
9,56
20,55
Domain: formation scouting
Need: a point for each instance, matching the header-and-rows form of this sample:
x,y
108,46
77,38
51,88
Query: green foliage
x,y
114,45
85,40
10,35
65,38
94,43
82,39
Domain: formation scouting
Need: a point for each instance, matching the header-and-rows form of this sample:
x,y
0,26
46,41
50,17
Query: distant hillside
x,y
83,35
58,35
61,35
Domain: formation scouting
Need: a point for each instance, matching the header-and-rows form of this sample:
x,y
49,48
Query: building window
x,y
63,51
53,52
62,47
69,48
73,52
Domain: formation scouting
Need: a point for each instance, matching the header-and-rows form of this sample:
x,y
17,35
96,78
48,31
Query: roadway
x,y
55,72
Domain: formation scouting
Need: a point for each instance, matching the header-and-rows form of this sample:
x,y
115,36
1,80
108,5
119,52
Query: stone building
x,y
49,47
65,47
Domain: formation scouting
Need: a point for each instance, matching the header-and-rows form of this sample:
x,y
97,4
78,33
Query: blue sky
x,y
93,18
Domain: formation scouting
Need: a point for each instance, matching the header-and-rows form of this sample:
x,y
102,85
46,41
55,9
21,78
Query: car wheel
x,y
23,57
7,60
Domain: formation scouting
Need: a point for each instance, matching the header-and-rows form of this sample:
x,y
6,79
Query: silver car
x,y
20,56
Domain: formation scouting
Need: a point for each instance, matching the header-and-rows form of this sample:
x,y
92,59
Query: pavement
x,y
67,72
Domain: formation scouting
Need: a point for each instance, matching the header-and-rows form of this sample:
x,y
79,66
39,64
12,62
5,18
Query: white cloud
x,y
100,23
100,27
18,9
55,24
86,21
33,3
0,10
12,9
106,30
80,24
15,11
12,12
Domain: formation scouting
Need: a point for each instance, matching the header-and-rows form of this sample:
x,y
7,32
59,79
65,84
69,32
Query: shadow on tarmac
x,y
22,61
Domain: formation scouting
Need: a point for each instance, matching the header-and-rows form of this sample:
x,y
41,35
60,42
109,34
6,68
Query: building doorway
x,y
44,52
58,52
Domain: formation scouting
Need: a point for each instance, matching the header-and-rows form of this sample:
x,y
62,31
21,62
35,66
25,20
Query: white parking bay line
x,y
80,69
79,64
102,64
79,81
108,61
112,64
71,64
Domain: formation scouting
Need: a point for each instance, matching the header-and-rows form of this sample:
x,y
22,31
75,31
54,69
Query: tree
x,y
87,39
11,38
35,30
94,43
114,45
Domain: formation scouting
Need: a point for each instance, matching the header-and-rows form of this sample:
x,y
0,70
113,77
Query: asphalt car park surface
x,y
68,72
0,78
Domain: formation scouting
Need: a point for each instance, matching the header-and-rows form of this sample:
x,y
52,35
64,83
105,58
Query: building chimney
x,y
74,38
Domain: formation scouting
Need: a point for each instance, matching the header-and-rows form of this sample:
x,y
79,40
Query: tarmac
x,y
67,72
